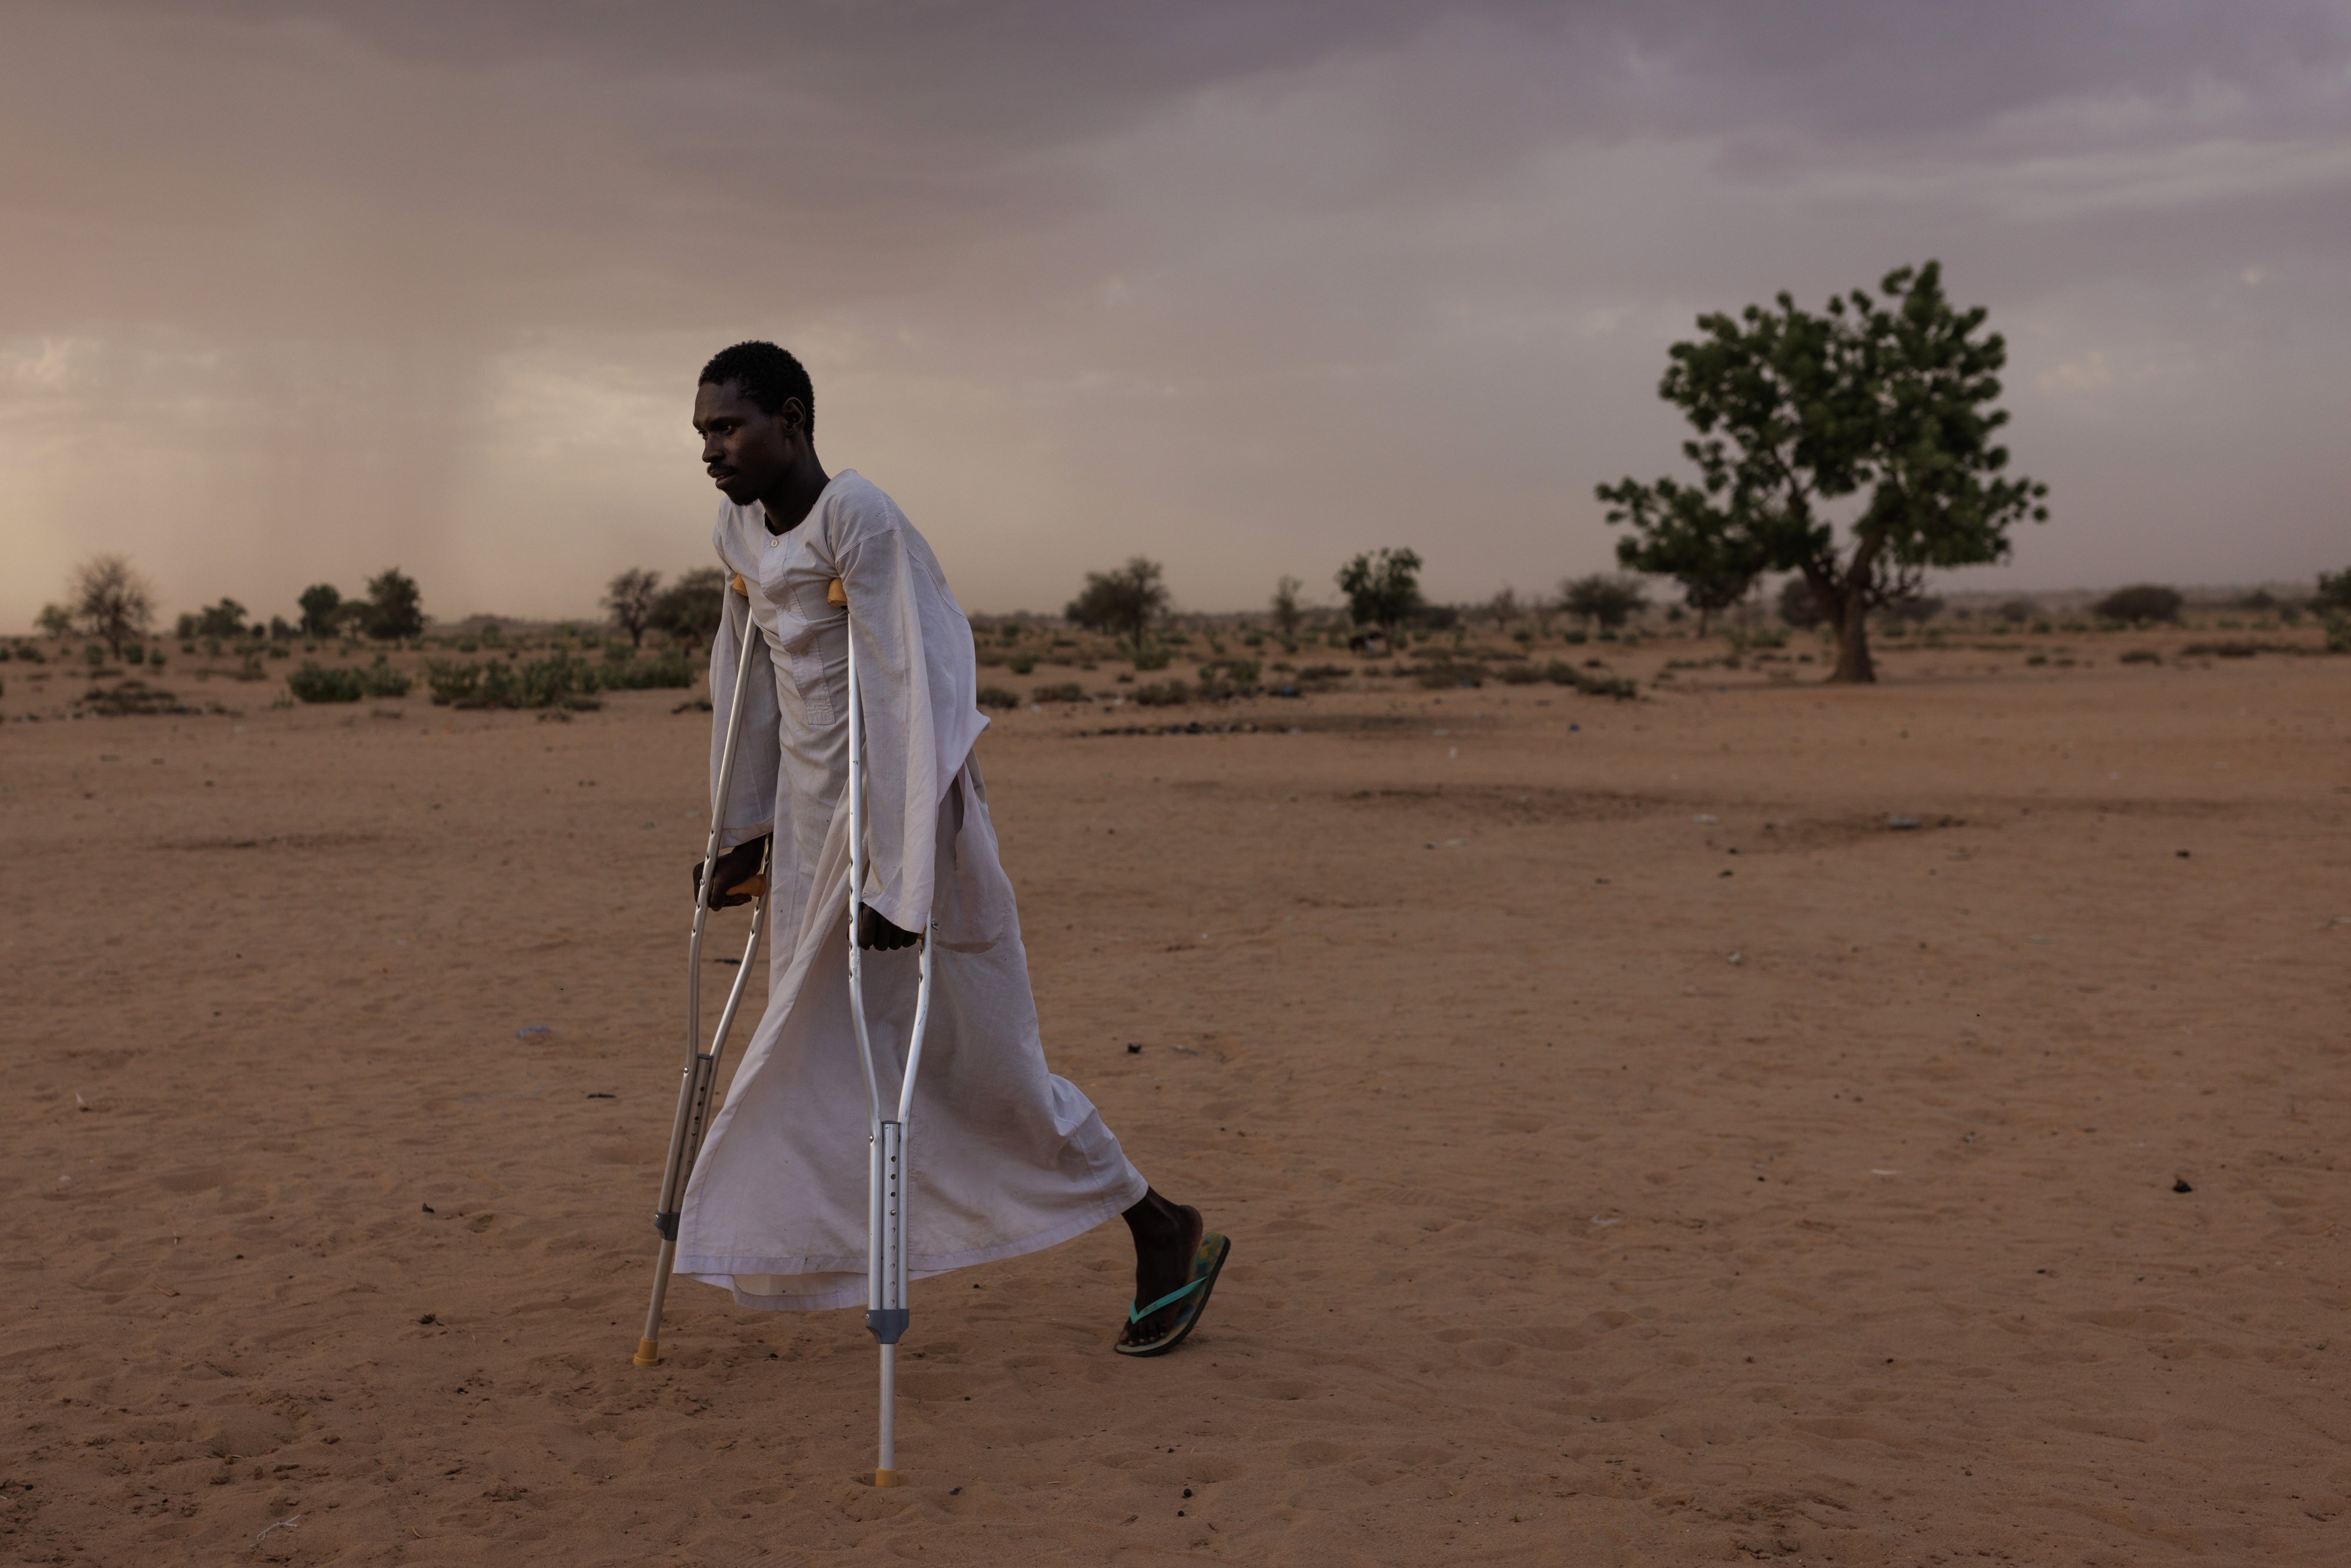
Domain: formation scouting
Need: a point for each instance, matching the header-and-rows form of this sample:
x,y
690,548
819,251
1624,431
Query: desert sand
x,y
1636,1150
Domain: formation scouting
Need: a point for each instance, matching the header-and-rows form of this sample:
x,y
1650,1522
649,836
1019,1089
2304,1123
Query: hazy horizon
x,y
294,295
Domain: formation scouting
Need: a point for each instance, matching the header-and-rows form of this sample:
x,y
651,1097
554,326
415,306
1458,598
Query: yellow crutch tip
x,y
648,1352
887,1478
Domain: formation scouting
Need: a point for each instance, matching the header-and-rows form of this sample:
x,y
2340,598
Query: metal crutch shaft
x,y
890,1177
701,1074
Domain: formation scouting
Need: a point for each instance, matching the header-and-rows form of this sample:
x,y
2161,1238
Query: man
x,y
1009,1158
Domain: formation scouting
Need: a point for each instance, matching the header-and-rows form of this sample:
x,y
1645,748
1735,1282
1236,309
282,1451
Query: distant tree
x,y
1886,400
110,602
2018,609
1125,601
320,603
629,597
1712,593
395,608
54,621
1503,608
281,629
225,620
1608,600
2334,592
2140,605
690,608
1798,606
1287,615
1382,589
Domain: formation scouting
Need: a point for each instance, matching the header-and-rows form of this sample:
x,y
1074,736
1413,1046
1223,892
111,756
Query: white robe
x,y
1007,1157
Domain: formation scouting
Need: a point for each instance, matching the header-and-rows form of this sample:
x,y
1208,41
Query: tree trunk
x,y
1853,662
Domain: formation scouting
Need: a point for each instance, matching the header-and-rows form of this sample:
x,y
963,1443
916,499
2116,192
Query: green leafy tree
x,y
224,621
1609,602
395,608
54,621
1125,601
1287,614
629,597
2141,604
2334,592
110,602
690,608
320,603
1876,409
1382,589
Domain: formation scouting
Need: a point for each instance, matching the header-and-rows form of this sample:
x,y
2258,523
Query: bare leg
x,y
1165,1236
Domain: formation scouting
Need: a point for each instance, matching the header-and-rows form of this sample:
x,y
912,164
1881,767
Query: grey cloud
x,y
1245,285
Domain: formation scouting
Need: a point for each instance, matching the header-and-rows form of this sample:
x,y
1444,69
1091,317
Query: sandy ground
x,y
1637,1152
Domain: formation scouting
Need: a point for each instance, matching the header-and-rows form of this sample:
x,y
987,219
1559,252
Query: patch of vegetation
x,y
1065,691
2236,648
996,696
132,696
315,683
1162,694
2142,656
1560,673
1444,674
2142,604
558,680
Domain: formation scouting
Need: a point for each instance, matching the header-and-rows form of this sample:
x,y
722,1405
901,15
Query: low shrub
x,y
1021,663
1066,692
558,680
314,682
1445,674
132,696
664,672
1559,673
2142,656
1162,694
996,696
1153,656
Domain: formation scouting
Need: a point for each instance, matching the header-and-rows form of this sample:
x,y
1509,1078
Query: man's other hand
x,y
736,866
873,931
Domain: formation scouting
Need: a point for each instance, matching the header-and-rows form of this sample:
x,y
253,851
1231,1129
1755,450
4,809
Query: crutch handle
x,y
736,583
836,595
752,886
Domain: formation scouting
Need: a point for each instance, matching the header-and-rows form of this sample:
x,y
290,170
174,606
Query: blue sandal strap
x,y
1136,1314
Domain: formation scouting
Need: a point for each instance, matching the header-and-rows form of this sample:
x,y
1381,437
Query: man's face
x,y
747,451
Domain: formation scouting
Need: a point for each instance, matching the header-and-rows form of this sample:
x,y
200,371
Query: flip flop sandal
x,y
1207,1262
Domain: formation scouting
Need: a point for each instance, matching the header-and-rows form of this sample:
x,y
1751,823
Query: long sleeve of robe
x,y
1007,1157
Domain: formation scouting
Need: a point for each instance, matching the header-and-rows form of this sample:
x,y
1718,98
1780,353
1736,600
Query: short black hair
x,y
767,374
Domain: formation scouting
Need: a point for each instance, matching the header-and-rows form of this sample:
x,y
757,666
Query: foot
x,y
1165,1236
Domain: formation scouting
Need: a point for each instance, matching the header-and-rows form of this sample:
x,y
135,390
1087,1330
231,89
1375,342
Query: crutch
x,y
701,1074
892,1176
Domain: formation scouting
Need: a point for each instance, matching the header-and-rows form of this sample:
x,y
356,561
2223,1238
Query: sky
x,y
290,293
